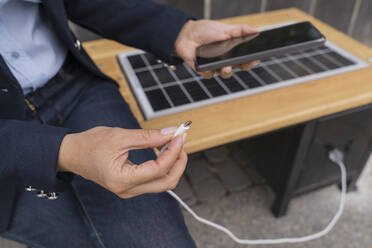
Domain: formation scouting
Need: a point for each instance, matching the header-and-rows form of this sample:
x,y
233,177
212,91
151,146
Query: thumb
x,y
149,138
237,30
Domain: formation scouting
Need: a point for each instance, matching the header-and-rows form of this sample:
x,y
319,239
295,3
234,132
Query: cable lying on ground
x,y
334,155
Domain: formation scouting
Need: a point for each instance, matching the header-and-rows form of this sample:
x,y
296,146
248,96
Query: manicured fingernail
x,y
168,130
226,71
184,138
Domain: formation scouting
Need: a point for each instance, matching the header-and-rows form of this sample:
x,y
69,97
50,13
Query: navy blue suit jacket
x,y
29,152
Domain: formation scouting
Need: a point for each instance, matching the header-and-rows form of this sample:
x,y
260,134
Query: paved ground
x,y
247,212
223,186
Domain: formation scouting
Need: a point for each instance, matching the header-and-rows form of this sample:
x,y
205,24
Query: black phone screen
x,y
254,43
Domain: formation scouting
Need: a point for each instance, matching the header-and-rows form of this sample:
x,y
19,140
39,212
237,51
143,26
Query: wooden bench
x,y
302,105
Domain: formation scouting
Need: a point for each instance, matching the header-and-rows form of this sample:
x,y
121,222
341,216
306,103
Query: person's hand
x,y
101,155
197,33
221,47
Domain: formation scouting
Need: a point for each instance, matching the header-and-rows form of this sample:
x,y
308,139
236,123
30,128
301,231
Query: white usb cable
x,y
335,156
183,128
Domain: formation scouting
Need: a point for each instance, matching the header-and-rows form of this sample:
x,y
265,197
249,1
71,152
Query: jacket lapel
x,y
6,76
56,12
11,95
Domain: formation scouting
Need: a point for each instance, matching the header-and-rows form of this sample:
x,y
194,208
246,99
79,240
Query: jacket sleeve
x,y
29,154
143,24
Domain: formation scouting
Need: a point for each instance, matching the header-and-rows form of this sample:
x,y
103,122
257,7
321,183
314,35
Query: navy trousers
x,y
88,215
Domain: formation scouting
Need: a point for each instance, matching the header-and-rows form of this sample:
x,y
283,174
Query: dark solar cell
x,y
232,84
294,67
322,48
248,79
296,53
329,64
341,59
145,78
213,87
176,95
307,51
136,61
311,65
266,60
164,75
280,71
264,75
182,72
151,59
281,56
196,92
157,99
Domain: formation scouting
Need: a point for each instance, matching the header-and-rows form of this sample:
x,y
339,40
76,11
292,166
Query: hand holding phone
x,y
221,47
258,46
196,33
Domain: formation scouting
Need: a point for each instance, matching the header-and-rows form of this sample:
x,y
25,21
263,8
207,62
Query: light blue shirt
x,y
28,44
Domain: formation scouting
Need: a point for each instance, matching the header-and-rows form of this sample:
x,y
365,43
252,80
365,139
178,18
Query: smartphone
x,y
268,43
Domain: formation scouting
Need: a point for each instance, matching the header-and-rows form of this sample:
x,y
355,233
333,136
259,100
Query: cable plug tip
x,y
187,123
335,155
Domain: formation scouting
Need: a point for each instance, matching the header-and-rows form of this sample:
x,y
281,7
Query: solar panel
x,y
160,91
